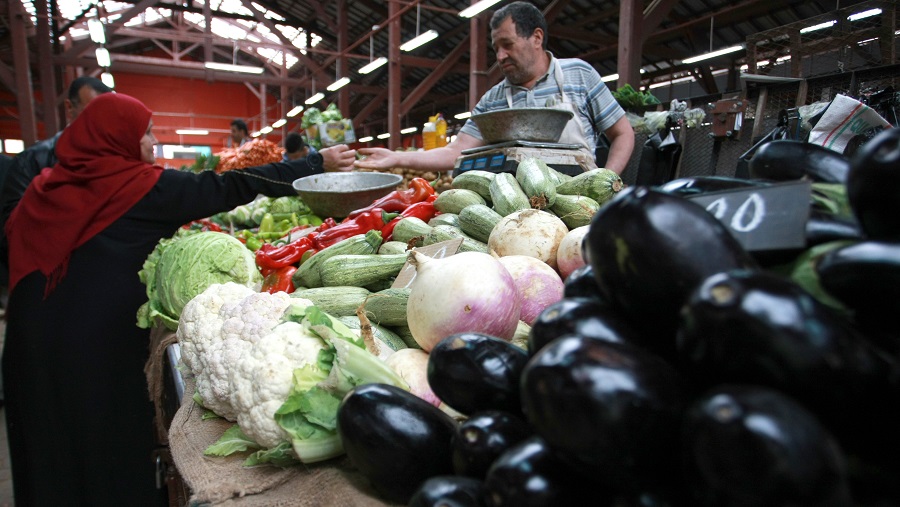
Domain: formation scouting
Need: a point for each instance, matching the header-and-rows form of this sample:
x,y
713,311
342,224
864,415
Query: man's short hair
x,y
293,142
240,125
525,16
82,81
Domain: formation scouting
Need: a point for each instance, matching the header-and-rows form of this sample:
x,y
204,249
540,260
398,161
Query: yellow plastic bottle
x,y
429,136
440,128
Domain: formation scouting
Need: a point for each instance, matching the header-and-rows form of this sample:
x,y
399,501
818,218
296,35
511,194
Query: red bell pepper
x,y
270,257
279,280
363,223
424,211
398,200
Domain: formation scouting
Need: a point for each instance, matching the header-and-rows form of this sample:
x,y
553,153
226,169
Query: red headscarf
x,y
99,176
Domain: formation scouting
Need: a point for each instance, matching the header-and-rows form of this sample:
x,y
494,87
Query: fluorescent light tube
x,y
714,54
192,132
611,77
820,26
374,64
409,130
864,14
476,9
337,85
95,27
255,134
265,130
315,98
384,136
463,116
102,57
108,80
233,68
365,139
419,40
279,123
294,112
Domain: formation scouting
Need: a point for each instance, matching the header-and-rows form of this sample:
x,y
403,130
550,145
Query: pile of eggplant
x,y
678,370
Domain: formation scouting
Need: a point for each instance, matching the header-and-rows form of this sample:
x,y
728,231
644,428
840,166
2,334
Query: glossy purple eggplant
x,y
448,491
580,316
482,438
873,186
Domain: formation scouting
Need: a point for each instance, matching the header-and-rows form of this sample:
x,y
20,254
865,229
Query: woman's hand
x,y
338,158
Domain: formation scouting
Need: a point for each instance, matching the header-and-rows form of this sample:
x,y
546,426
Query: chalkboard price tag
x,y
435,251
763,218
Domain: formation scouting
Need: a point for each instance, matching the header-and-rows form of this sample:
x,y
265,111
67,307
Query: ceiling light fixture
x,y
103,59
820,26
192,132
265,130
384,136
474,10
611,77
294,112
315,98
279,123
419,40
365,139
408,130
463,116
107,79
95,27
227,67
374,64
707,56
337,85
864,14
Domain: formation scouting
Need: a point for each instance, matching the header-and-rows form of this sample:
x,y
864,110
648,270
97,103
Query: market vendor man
x,y
533,78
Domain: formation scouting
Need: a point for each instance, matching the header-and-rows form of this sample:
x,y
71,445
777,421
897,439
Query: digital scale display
x,y
492,163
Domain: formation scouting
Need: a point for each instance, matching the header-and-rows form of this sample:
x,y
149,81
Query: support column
x,y
631,18
395,79
342,64
478,57
45,62
24,98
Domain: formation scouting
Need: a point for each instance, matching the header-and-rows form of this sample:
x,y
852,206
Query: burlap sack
x,y
224,481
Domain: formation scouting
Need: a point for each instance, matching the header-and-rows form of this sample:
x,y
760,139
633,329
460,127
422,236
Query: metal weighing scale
x,y
505,157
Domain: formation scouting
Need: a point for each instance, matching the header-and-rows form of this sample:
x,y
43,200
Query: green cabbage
x,y
183,266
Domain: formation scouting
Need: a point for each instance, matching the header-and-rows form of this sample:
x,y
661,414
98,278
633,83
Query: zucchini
x,y
598,184
406,335
388,307
447,232
476,181
445,219
507,196
478,221
360,270
392,247
387,283
455,199
336,301
308,274
409,228
533,175
575,210
557,177
391,339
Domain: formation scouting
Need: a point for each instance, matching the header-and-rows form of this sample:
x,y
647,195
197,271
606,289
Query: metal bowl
x,y
337,194
537,124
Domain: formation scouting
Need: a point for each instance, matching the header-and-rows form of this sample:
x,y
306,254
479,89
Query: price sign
x,y
436,251
763,218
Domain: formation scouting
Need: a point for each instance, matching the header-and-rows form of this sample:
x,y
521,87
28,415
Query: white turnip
x,y
530,232
569,256
412,366
466,292
538,284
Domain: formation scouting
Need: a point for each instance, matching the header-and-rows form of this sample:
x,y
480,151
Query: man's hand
x,y
338,158
378,158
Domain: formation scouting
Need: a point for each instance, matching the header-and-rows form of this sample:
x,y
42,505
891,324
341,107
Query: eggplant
x,y
823,227
649,250
583,317
787,160
749,445
529,475
472,372
394,438
865,276
686,187
482,438
448,491
582,284
610,410
758,328
873,186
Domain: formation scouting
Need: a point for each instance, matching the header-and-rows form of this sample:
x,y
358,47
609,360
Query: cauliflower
x,y
199,324
262,380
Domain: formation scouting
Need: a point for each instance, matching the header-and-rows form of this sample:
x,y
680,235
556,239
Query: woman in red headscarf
x,y
80,424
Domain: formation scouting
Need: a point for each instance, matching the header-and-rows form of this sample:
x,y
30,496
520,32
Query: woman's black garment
x,y
78,413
